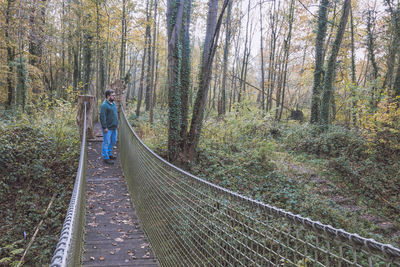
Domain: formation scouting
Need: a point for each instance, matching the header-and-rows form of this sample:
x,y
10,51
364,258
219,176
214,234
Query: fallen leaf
x,y
93,224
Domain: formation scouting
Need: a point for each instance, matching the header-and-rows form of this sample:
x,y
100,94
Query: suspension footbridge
x,y
189,221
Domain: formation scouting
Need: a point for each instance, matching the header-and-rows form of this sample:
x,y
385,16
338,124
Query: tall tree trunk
x,y
149,54
102,70
272,63
210,46
353,70
393,48
327,92
140,94
152,88
36,20
185,71
371,54
123,43
87,54
226,56
10,53
154,102
262,62
98,52
174,26
319,61
246,54
286,58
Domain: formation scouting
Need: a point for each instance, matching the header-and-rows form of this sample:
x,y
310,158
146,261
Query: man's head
x,y
110,95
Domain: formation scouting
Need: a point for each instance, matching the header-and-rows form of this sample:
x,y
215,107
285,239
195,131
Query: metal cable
x,y
70,245
192,222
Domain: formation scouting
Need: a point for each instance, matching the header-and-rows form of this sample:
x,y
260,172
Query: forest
x,y
294,103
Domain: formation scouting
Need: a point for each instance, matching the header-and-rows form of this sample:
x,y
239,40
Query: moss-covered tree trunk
x,y
327,91
210,46
174,27
319,60
185,70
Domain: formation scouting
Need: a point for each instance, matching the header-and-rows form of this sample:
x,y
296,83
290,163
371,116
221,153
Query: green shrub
x,y
336,141
39,157
363,166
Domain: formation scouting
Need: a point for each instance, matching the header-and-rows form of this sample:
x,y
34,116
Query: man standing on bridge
x,y
109,122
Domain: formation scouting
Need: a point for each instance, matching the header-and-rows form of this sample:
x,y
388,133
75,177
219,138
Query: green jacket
x,y
109,115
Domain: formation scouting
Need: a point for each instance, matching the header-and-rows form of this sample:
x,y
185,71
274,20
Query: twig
x,y
36,231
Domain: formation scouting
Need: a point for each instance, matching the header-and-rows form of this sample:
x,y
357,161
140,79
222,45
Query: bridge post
x,y
90,107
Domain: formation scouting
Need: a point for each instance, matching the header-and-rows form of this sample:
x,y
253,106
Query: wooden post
x,y
90,106
120,93
96,111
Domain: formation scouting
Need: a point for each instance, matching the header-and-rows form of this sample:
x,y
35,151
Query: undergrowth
x,y
251,154
39,156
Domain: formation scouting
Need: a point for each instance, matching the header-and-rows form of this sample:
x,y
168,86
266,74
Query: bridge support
x,y
90,107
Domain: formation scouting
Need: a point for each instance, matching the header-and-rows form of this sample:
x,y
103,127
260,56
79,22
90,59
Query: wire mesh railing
x,y
70,245
192,222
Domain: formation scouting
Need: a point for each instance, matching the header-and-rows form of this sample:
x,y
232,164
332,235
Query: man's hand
x,y
105,130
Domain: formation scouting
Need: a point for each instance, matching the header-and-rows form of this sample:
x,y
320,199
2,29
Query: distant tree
x,y
10,51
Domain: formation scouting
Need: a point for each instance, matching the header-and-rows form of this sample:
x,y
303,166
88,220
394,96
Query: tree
x,y
327,90
174,26
209,48
185,70
319,60
222,109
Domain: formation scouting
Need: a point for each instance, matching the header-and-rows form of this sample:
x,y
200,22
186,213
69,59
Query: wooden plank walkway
x,y
113,235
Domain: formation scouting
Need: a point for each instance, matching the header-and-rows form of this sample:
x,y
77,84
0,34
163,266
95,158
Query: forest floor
x,y
329,179
321,184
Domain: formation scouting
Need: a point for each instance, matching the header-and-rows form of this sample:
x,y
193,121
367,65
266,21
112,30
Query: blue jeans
x,y
109,140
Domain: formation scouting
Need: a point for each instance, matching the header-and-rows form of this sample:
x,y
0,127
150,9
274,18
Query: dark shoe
x,y
108,161
113,157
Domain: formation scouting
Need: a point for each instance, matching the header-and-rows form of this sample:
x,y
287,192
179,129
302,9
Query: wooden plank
x,y
113,234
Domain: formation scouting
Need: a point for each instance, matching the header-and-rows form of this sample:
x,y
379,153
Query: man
x,y
109,122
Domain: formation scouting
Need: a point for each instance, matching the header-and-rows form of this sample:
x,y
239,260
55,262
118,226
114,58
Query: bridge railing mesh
x,y
191,222
70,245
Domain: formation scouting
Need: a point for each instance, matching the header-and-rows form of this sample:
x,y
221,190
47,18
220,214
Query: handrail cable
x,y
190,221
70,245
